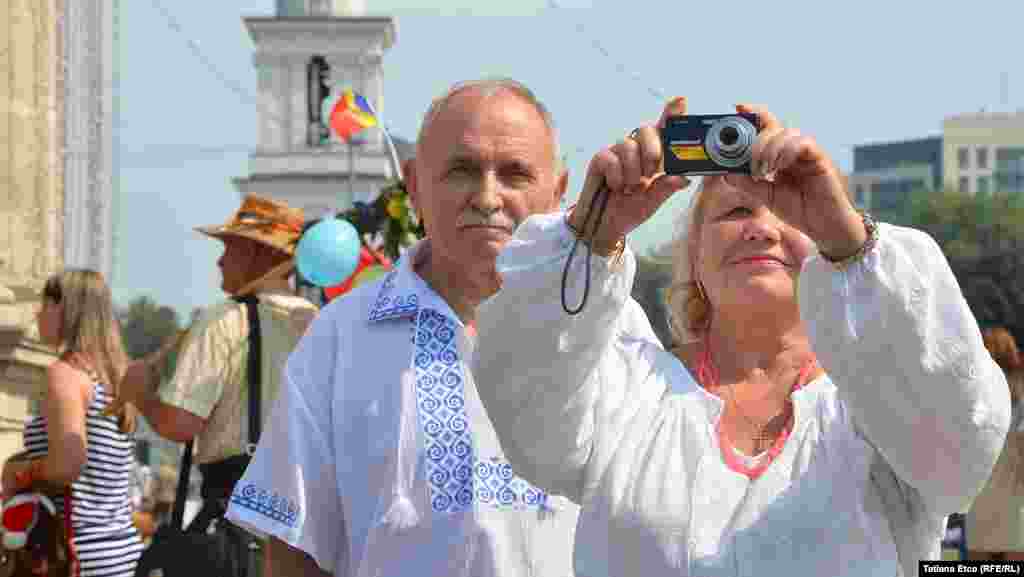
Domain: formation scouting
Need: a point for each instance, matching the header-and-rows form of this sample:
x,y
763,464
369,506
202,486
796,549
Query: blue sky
x,y
847,73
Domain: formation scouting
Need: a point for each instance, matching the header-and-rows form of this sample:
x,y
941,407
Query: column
x,y
372,136
102,229
272,85
26,112
49,179
283,123
297,89
375,87
79,71
7,135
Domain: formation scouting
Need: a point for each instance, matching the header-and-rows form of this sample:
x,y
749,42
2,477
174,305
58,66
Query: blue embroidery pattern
x,y
266,503
455,476
442,413
388,307
498,486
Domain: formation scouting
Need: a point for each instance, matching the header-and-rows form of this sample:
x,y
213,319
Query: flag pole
x,y
351,170
393,154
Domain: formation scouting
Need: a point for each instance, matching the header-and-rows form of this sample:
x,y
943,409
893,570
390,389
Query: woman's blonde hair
x,y
90,334
689,309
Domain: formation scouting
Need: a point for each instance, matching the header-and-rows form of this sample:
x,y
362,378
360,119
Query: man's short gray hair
x,y
488,87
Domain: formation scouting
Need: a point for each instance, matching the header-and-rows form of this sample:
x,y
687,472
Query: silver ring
x,y
633,134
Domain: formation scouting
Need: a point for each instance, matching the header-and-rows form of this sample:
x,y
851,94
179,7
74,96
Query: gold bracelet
x,y
841,264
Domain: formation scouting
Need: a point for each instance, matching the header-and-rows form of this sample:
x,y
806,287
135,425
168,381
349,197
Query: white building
x,y
307,45
984,152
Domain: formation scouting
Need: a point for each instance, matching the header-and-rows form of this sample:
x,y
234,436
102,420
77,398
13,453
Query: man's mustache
x,y
497,219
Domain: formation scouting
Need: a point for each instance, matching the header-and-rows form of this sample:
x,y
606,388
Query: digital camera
x,y
704,144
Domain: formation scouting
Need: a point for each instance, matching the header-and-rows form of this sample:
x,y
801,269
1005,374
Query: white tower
x,y
307,48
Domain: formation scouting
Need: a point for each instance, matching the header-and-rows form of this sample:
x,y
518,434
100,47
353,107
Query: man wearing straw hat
x,y
207,397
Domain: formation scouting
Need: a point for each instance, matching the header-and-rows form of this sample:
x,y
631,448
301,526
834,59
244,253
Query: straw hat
x,y
272,223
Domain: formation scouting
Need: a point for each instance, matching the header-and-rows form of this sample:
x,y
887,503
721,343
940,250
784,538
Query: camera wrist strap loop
x,y
601,196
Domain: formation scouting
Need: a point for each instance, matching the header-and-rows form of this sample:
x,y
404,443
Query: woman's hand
x,y
632,172
10,479
7,479
807,191
142,376
137,382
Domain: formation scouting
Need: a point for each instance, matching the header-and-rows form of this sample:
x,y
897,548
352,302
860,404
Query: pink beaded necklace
x,y
707,375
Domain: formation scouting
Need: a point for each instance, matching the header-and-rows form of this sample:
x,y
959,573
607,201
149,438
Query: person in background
x,y
995,522
206,398
142,510
142,485
73,444
165,485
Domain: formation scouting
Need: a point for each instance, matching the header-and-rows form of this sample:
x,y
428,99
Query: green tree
x,y
145,325
993,286
983,238
653,277
965,226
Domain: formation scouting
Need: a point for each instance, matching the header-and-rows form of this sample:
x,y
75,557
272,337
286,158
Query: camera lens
x,y
729,135
729,141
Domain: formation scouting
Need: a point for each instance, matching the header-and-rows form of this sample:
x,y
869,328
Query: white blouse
x,y
903,431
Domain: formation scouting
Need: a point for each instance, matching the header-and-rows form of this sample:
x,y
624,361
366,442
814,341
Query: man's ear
x,y
409,178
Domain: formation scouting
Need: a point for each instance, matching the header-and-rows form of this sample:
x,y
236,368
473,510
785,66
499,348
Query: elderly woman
x,y
804,428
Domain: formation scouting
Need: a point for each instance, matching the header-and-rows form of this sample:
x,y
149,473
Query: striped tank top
x,y
102,532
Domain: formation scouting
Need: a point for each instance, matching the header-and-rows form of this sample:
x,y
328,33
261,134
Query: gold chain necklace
x,y
707,373
767,433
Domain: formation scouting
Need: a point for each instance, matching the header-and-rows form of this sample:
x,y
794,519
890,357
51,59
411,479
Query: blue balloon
x,y
328,252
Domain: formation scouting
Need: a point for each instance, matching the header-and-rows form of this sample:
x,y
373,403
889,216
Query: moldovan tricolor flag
x,y
348,113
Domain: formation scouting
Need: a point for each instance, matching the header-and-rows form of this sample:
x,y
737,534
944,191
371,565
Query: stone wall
x,y
31,197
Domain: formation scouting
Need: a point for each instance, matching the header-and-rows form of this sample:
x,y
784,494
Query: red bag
x,y
34,539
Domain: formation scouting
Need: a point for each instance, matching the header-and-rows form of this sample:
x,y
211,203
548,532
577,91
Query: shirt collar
x,y
404,292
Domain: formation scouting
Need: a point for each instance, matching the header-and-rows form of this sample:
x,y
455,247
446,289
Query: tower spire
x,y
321,8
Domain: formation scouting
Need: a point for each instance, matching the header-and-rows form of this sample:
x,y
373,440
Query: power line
x,y
654,92
193,45
197,51
235,87
169,154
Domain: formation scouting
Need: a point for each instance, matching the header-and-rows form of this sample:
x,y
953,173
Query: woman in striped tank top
x,y
75,443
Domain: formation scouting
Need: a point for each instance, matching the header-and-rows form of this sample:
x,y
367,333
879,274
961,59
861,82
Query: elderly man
x,y
207,397
379,459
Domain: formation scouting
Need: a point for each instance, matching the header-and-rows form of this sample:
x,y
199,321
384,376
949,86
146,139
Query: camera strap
x,y
600,198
